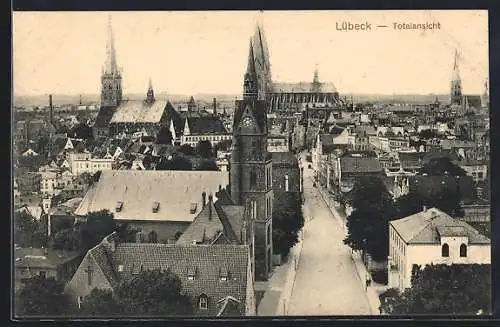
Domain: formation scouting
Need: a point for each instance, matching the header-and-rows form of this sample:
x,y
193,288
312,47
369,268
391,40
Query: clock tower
x,y
251,166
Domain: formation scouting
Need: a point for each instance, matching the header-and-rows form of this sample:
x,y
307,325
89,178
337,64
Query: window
x,y
120,268
191,273
445,250
79,301
223,274
286,183
119,206
463,250
203,302
43,274
89,271
156,206
192,208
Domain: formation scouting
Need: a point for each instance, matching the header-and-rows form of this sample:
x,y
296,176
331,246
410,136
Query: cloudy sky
x,y
206,52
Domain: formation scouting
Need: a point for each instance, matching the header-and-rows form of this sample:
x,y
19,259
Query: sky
x,y
206,52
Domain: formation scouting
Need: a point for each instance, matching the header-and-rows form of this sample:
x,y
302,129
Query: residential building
x,y
287,174
432,237
478,169
84,163
210,128
45,262
353,165
165,202
218,278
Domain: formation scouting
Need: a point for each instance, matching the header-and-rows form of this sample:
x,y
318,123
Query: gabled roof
x,y
424,227
303,87
206,261
133,111
174,190
205,227
360,165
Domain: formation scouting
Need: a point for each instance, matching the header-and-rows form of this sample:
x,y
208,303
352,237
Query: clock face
x,y
247,121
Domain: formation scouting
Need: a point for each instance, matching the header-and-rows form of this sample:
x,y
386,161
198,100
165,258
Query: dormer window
x,y
119,206
203,302
223,274
192,208
156,206
191,273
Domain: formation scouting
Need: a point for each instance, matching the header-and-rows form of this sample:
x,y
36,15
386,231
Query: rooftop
x,y
427,226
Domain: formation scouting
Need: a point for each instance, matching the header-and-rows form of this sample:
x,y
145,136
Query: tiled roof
x,y
133,111
37,258
206,260
424,227
206,125
360,165
204,228
303,87
104,116
284,158
175,191
232,218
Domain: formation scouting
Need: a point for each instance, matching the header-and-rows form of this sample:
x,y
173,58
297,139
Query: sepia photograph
x,y
250,163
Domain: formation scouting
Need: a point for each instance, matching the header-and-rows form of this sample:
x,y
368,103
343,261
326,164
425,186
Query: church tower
x,y
456,83
111,79
485,97
150,95
251,166
316,85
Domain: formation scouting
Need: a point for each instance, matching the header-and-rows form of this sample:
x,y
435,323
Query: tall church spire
x,y
111,80
150,96
111,66
316,85
456,84
250,88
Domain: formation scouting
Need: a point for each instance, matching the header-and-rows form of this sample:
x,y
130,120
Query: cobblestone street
x,y
326,282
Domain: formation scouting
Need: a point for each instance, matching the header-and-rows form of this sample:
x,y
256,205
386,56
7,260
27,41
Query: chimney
x,y
50,109
210,200
204,198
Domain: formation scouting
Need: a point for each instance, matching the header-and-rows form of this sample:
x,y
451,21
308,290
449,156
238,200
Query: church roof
x,y
303,87
104,116
134,111
206,125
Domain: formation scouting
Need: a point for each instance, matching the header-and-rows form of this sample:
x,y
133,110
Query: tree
x,y
204,149
224,145
176,163
154,292
442,166
288,220
42,296
67,239
443,289
25,226
164,136
207,165
100,303
427,134
186,149
96,227
368,224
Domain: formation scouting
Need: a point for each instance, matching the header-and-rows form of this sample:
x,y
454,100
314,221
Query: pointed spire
x,y
250,80
150,96
110,67
456,71
316,75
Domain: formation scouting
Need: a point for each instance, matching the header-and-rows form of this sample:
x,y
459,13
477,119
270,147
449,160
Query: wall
x,y
79,283
279,173
165,230
250,305
431,253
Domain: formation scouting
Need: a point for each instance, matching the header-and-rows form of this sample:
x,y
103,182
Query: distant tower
x,y
191,105
150,96
485,97
316,85
111,79
51,110
456,83
80,99
215,107
251,165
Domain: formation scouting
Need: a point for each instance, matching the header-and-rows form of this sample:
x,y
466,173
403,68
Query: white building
x,y
49,182
84,163
432,237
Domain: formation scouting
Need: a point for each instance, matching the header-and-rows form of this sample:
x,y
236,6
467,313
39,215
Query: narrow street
x,y
326,282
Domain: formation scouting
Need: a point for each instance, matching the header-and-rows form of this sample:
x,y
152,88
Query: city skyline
x,y
206,52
